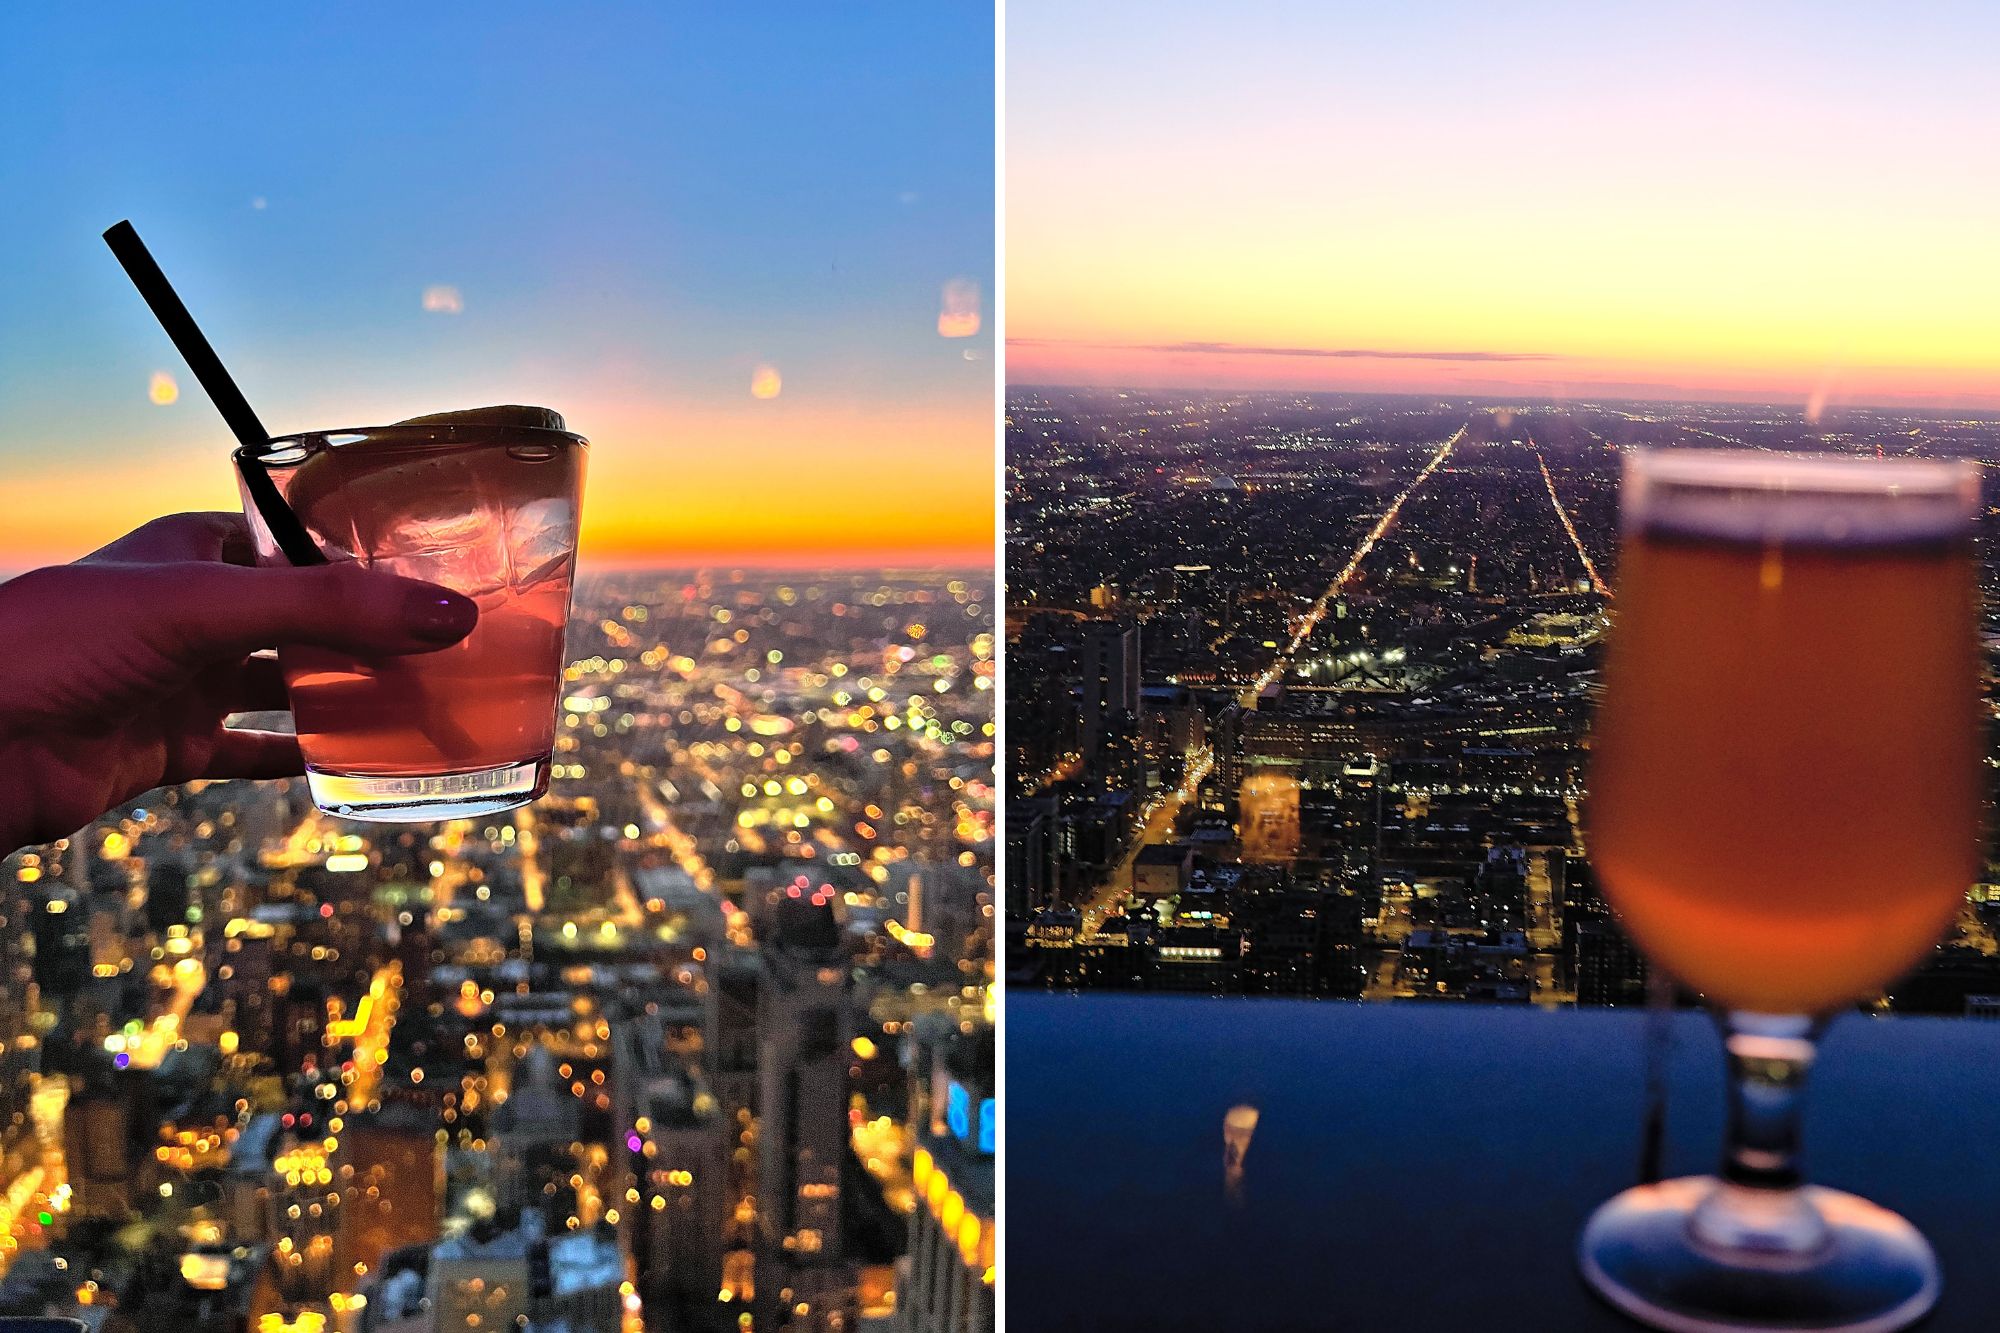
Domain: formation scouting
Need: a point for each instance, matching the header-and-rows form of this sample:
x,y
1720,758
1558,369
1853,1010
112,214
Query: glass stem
x,y
1758,1205
1769,1056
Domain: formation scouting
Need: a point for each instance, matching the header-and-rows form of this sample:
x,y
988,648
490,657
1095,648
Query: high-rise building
x,y
1353,805
945,1285
255,988
729,1034
1608,967
391,1199
493,1278
1110,682
1031,854
107,1126
803,1031
482,1279
683,1225
532,1133
61,929
1172,726
1193,585
167,895
304,1217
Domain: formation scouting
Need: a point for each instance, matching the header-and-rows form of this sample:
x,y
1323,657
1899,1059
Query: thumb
x,y
225,611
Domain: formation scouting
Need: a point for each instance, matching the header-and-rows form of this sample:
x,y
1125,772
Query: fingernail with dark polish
x,y
440,617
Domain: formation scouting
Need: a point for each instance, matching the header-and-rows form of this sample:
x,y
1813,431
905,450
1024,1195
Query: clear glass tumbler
x,y
488,510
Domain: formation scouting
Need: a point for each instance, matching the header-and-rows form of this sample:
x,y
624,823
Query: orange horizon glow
x,y
1812,389
775,485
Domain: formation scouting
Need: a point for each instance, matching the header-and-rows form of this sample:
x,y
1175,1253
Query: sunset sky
x,y
1690,201
630,213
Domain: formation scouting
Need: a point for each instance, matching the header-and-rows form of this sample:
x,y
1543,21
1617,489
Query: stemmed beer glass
x,y
1785,812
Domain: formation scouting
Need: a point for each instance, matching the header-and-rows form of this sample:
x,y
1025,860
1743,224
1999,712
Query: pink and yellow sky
x,y
1569,200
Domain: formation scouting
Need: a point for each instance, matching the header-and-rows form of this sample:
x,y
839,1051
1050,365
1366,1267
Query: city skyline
x,y
1568,203
723,282
1300,689
705,1034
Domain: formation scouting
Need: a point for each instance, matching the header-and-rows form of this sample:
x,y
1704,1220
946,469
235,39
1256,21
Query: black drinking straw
x,y
282,523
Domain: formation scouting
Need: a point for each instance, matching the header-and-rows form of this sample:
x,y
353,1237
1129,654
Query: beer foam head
x,y
1744,495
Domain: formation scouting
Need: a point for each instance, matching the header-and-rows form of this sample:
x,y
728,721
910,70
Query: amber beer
x,y
1785,795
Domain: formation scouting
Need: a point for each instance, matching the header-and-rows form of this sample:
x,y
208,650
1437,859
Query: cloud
x,y
443,300
1253,349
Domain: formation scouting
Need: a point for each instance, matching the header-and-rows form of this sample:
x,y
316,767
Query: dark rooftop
x,y
1426,1166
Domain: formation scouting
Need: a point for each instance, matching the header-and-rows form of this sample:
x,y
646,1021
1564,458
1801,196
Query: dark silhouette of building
x,y
1109,684
803,1032
1608,967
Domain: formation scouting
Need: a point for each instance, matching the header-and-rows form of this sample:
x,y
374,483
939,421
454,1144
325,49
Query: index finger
x,y
216,535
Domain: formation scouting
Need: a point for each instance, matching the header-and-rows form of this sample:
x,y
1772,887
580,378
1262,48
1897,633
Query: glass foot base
x,y
409,800
1869,1272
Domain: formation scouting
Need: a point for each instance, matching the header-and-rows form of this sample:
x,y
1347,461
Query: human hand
x,y
120,668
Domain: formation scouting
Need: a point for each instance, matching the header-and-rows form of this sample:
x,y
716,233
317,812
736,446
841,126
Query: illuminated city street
x,y
1597,585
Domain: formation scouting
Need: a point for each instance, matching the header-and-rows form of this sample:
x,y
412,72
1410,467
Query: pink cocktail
x,y
484,503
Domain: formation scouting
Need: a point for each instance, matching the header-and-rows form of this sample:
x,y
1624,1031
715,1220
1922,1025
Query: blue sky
x,y
637,205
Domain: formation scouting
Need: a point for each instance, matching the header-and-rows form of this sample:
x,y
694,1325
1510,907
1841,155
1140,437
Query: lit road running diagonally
x,y
1156,825
685,850
1595,582
629,914
1382,525
1156,821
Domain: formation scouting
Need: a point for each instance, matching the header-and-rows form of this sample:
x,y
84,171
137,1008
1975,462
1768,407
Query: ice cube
x,y
475,568
469,516
540,536
443,525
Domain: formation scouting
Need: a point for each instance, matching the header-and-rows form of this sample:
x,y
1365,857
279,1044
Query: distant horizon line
x,y
590,567
1983,413
966,566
